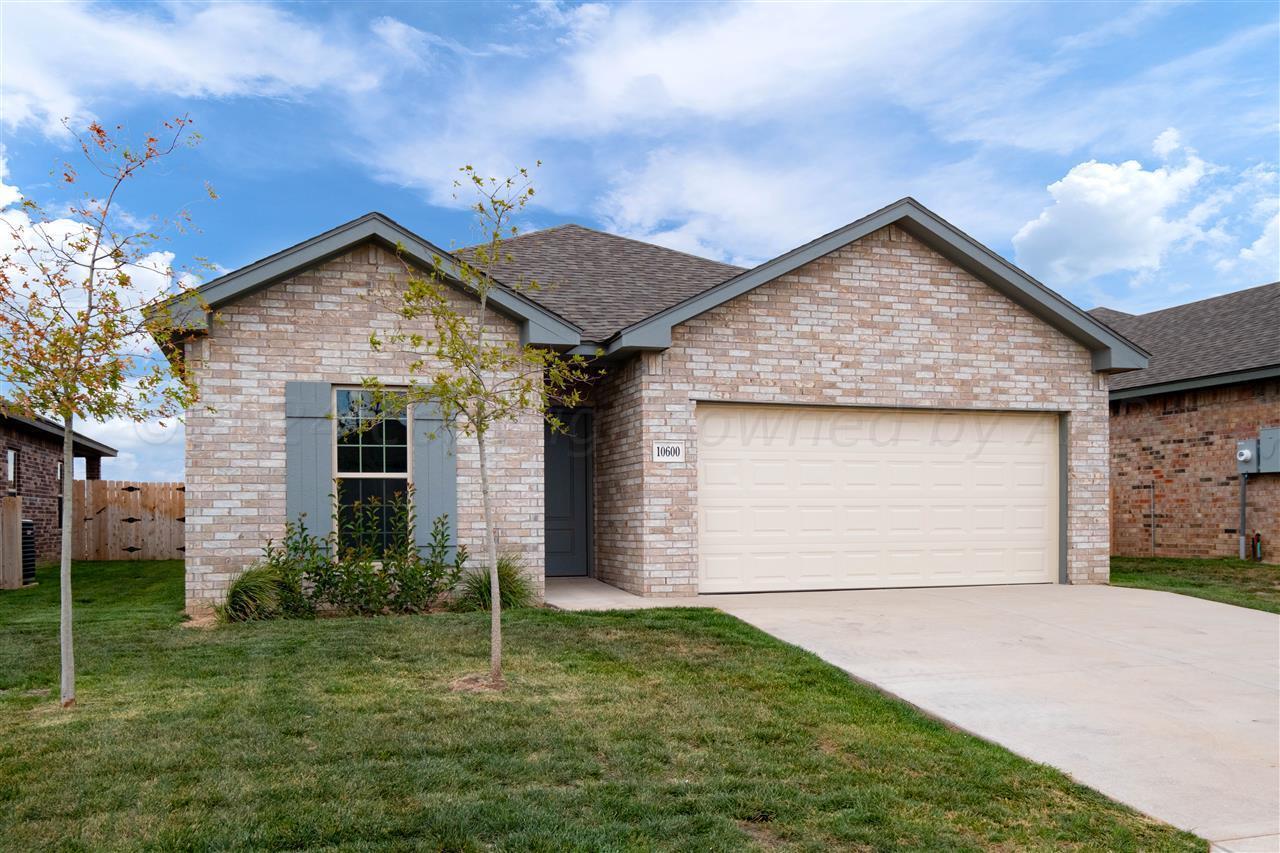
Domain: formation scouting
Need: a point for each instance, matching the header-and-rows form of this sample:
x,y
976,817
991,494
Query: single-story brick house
x,y
31,467
1213,379
891,404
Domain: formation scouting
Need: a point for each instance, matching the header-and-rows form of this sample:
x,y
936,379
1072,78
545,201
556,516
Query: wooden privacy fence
x,y
116,520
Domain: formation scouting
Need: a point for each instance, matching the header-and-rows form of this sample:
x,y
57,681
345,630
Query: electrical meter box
x,y
1247,456
1269,451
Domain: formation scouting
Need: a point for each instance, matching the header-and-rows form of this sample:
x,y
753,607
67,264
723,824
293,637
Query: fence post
x,y
11,542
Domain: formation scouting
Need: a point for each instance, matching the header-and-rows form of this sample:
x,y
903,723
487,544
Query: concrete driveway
x,y
1165,702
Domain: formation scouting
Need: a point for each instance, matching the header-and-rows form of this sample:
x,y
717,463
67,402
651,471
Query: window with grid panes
x,y
371,466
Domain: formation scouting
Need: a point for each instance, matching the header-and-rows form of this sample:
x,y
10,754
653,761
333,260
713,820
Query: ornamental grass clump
x,y
254,596
514,589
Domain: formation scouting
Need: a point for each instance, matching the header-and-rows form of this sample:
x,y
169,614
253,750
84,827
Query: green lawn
x,y
1238,582
660,729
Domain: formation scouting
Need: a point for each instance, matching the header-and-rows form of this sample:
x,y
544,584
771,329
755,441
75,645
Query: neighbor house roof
x,y
81,445
1230,338
600,281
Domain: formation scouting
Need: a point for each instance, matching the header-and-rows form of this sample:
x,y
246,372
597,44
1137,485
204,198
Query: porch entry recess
x,y
567,491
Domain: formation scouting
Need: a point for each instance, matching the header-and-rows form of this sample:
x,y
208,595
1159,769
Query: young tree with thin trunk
x,y
477,376
82,296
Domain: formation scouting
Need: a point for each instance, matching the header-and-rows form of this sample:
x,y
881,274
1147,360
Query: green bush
x,y
362,577
258,593
514,588
368,578
297,559
422,580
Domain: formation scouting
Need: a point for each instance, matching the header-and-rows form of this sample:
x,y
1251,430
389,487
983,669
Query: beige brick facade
x,y
1179,449
884,321
315,326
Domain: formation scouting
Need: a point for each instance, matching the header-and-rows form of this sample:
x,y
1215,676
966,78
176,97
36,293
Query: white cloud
x,y
1167,142
641,63
1109,217
149,450
736,130
8,194
1128,22
658,81
1205,93
211,51
1262,256
776,105
25,240
576,23
714,202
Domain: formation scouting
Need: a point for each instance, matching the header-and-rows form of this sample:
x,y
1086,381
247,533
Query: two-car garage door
x,y
794,498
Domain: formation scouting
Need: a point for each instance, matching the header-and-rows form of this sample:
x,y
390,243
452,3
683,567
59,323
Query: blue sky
x,y
1125,154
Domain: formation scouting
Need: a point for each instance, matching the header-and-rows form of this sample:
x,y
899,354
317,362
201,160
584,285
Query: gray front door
x,y
568,496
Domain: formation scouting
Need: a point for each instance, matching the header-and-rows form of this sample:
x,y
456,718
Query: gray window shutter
x,y
308,455
435,473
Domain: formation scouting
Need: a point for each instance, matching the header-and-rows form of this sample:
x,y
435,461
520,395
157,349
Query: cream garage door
x,y
796,498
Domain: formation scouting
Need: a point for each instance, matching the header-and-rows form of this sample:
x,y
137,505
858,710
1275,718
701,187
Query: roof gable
x,y
538,324
1111,351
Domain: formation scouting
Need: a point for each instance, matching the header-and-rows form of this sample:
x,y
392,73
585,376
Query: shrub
x,y
421,581
513,584
357,581
369,578
364,575
256,594
297,560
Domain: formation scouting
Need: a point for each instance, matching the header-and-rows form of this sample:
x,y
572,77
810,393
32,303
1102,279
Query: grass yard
x,y
1239,582
658,729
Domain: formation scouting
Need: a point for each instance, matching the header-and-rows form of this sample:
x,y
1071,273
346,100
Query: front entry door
x,y
568,496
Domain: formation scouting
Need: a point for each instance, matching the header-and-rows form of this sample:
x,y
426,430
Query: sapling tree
x,y
82,297
464,365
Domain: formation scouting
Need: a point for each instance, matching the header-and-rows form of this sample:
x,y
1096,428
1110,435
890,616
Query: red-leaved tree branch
x,y
84,296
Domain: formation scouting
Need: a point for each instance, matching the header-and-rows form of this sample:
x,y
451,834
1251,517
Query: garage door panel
x,y
987,519
718,472
860,476
1031,519
823,499
905,566
861,523
766,472
990,476
946,521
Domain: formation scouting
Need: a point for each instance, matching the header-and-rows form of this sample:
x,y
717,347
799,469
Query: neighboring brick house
x,y
30,466
889,405
1214,378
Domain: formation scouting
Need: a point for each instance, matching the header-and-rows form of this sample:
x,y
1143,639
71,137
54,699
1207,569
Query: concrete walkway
x,y
1165,702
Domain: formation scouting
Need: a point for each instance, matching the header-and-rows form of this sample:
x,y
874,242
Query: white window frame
x,y
369,475
11,467
365,475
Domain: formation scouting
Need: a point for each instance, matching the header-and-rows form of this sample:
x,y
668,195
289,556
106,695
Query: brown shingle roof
x,y
81,445
1224,334
603,282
